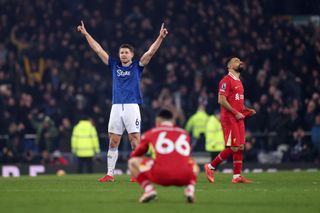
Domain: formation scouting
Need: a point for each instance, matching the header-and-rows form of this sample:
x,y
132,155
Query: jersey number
x,y
165,145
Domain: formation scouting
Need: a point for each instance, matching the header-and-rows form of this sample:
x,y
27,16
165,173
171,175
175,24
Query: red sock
x,y
223,155
143,180
193,180
237,162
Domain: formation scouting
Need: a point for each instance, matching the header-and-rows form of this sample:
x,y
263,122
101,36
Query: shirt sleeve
x,y
224,87
111,62
140,66
142,147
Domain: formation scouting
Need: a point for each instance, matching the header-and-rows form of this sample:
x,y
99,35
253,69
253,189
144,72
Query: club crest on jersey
x,y
121,73
223,87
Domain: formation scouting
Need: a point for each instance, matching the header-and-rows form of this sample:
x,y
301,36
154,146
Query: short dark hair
x,y
130,47
228,61
165,114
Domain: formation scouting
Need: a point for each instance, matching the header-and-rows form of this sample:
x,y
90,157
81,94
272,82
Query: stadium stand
x,y
50,77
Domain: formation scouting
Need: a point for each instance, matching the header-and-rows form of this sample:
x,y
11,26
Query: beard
x,y
240,68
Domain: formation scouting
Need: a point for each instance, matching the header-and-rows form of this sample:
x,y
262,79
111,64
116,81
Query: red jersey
x,y
170,146
231,87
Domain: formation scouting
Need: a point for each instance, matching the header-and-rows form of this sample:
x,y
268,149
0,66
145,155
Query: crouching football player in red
x,y
170,165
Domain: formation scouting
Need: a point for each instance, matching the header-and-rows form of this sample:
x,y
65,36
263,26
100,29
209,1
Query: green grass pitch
x,y
271,193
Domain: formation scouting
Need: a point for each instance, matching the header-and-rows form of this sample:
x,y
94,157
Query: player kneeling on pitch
x,y
170,165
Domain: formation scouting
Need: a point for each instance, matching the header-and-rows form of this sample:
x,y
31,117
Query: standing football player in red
x,y
170,164
233,113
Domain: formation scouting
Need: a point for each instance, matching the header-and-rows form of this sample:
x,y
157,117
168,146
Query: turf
x,y
271,192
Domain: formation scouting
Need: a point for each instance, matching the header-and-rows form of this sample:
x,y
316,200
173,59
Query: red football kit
x,y
234,131
171,163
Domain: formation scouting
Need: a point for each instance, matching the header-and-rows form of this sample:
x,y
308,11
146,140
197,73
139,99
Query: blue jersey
x,y
125,82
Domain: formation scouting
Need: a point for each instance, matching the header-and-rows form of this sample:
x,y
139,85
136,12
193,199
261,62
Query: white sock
x,y
236,176
112,160
191,188
211,167
148,188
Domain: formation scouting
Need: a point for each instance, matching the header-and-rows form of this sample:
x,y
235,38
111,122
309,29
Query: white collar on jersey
x,y
233,76
166,123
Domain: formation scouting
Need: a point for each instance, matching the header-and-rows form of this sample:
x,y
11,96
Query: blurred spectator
x,y
46,131
310,114
315,136
85,144
64,136
214,139
302,149
58,159
196,125
251,148
45,158
30,157
33,70
7,156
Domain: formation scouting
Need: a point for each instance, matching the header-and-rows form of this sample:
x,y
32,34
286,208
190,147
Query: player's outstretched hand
x,y
252,111
82,29
163,31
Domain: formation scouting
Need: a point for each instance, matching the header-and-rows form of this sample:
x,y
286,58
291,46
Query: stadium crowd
x,y
49,76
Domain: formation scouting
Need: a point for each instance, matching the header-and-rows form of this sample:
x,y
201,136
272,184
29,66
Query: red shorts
x,y
233,131
163,176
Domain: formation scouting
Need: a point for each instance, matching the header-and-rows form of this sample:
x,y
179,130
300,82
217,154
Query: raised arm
x,y
94,44
145,59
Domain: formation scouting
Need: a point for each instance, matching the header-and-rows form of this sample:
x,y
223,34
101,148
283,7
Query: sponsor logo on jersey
x,y
238,97
121,73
